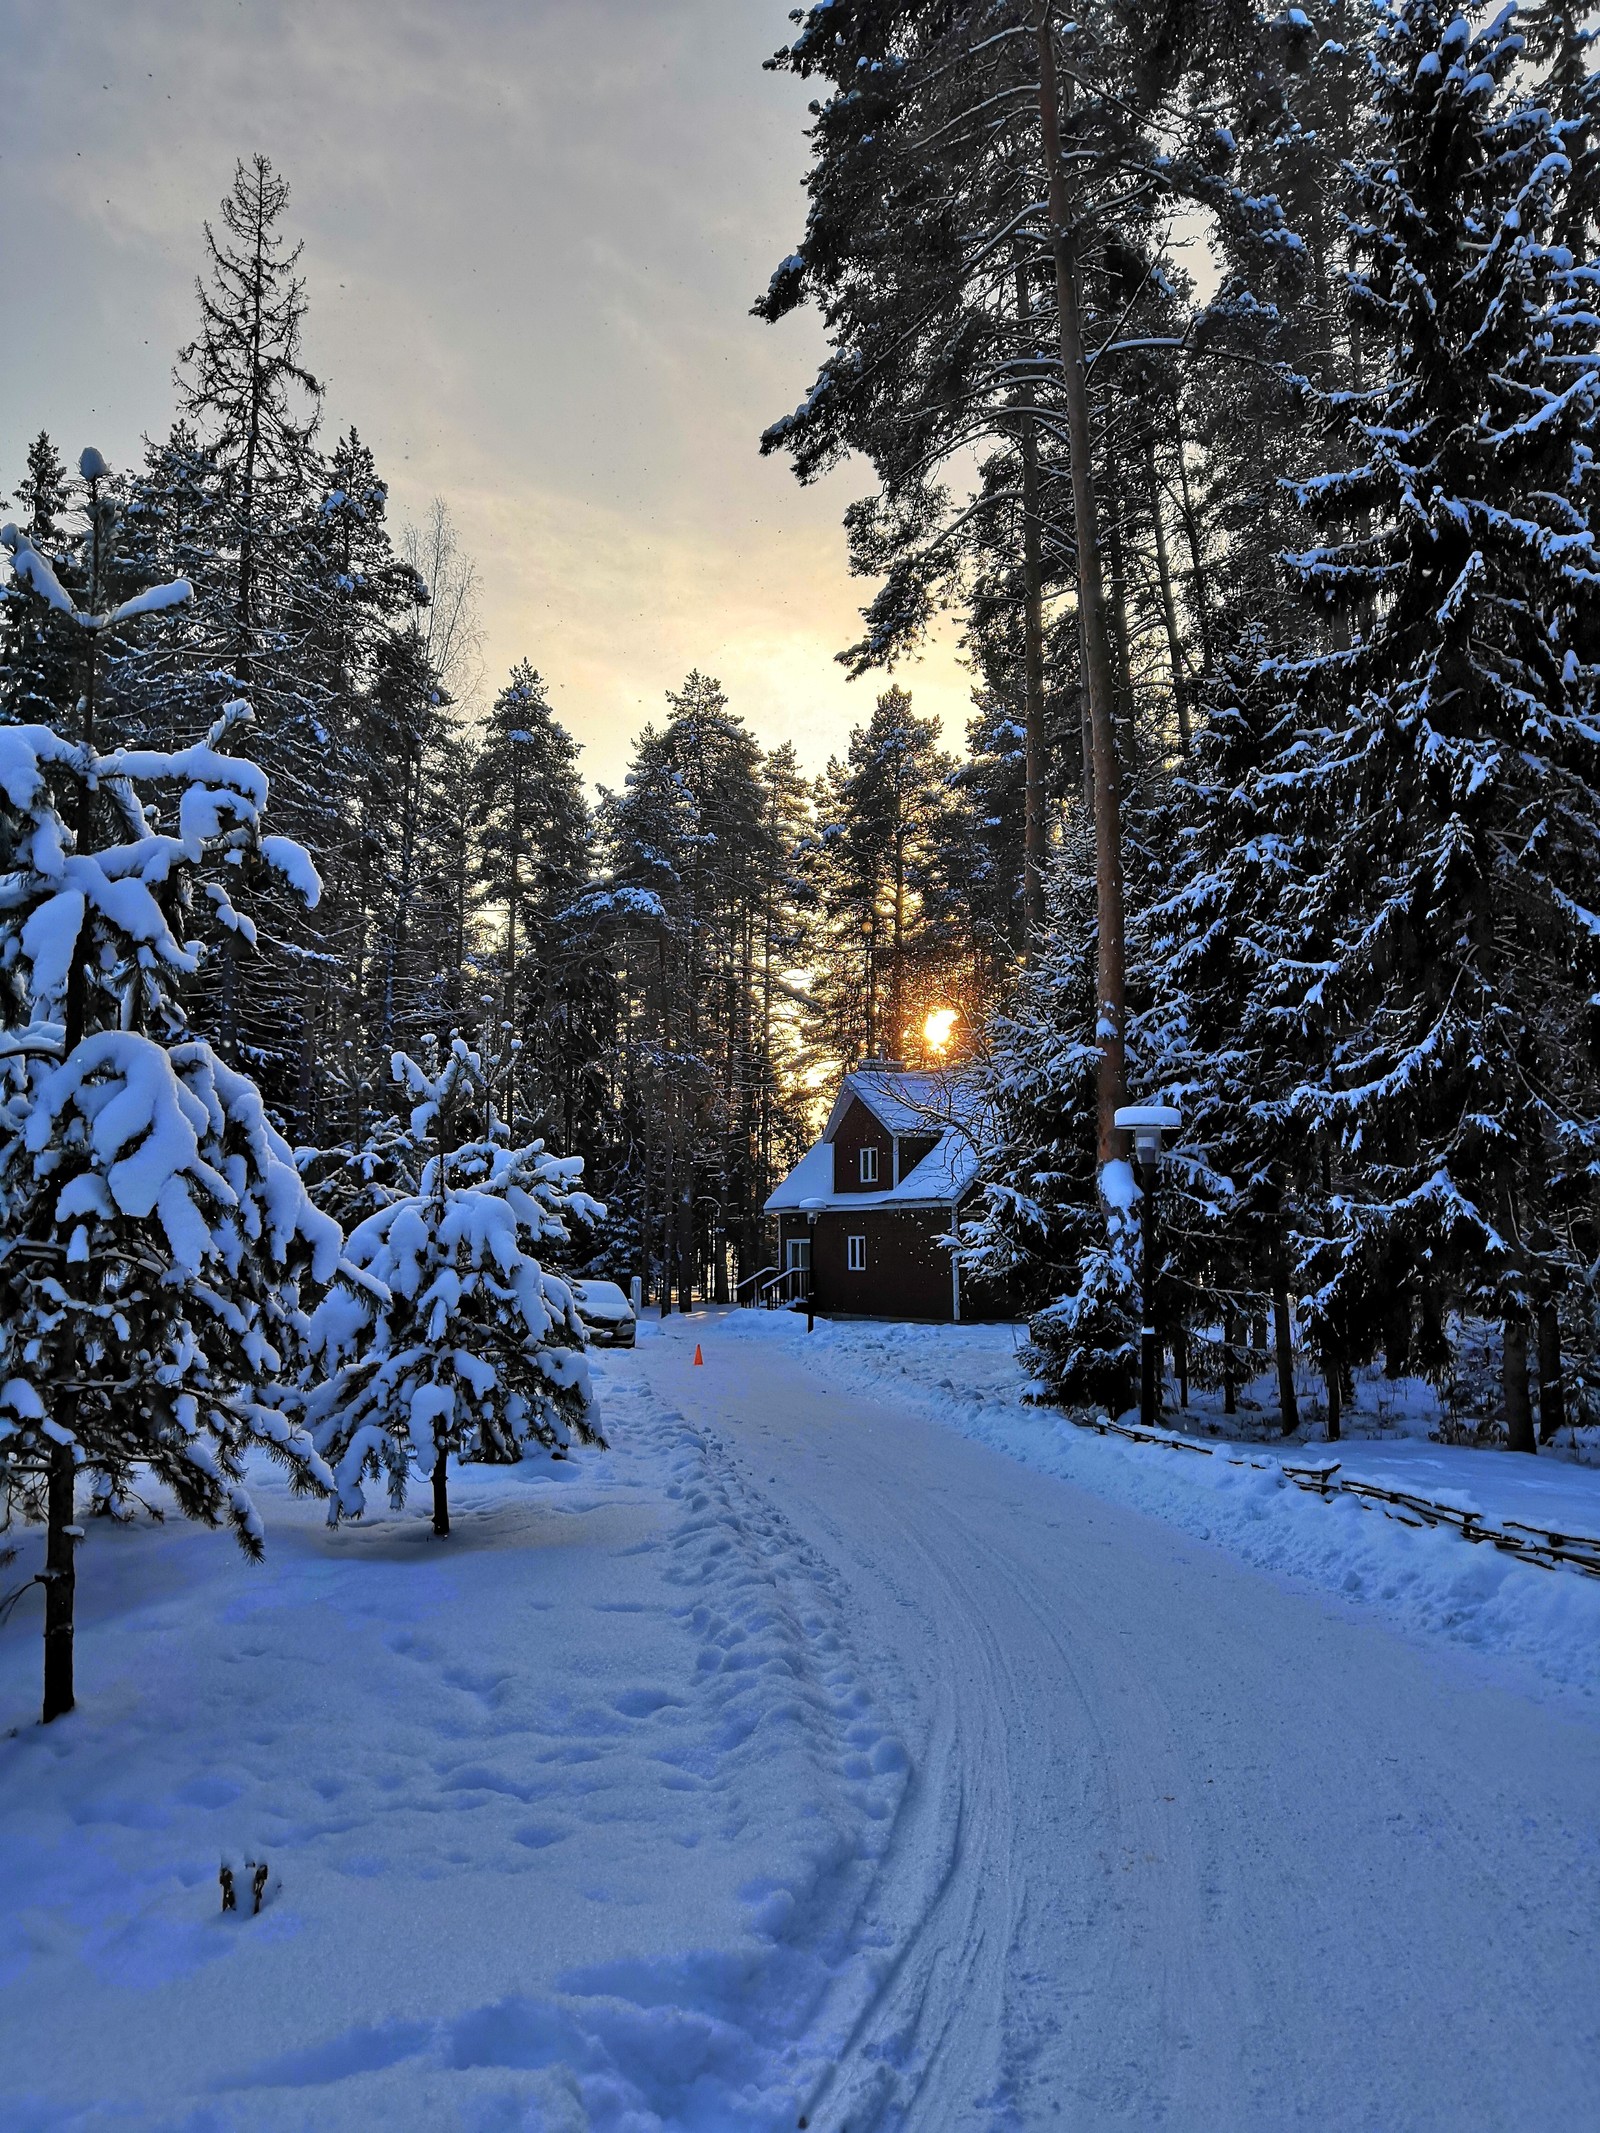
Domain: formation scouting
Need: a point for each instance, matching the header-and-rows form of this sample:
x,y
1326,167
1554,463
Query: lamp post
x,y
1146,1123
811,1209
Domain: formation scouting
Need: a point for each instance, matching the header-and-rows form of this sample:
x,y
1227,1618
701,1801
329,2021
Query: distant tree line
x,y
671,972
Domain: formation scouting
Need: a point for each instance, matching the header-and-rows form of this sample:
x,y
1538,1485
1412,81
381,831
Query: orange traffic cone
x,y
699,1358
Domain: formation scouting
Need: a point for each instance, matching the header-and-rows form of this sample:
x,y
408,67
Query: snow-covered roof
x,y
811,1178
908,1105
906,1100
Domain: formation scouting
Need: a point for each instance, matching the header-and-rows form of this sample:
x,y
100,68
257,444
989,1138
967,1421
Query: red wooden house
x,y
866,1216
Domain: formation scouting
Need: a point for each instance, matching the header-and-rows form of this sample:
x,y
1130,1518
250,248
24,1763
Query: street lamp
x,y
1146,1123
811,1209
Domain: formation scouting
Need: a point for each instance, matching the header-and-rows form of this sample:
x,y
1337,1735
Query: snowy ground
x,y
804,1756
567,1816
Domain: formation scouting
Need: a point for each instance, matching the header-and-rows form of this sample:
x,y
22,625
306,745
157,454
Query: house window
x,y
799,1251
855,1254
869,1168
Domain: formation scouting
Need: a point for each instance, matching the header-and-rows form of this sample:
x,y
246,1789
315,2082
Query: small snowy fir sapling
x,y
463,1342
153,1228
376,1163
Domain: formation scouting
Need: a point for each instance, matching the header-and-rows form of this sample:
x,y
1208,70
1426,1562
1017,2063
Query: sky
x,y
533,231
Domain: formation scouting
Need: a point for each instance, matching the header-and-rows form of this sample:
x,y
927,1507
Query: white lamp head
x,y
1147,1123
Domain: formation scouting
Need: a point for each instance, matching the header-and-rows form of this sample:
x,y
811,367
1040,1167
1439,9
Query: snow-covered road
x,y
805,1758
1182,1845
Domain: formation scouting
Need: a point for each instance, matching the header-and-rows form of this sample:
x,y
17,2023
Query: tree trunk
x,y
1514,1382
441,1498
1283,1341
1230,1383
1033,837
1110,987
1130,752
60,1582
1552,1387
1169,609
1085,730
1191,534
669,1238
1397,1335
686,1244
1333,1375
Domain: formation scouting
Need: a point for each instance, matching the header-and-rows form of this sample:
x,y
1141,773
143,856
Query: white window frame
x,y
855,1254
869,1166
798,1255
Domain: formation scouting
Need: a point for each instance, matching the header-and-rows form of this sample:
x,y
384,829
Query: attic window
x,y
869,1166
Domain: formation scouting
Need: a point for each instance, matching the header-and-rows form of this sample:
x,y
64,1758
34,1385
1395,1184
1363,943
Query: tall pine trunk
x,y
1514,1382
1283,1334
1033,836
1169,608
1110,1032
1191,533
441,1495
1552,1387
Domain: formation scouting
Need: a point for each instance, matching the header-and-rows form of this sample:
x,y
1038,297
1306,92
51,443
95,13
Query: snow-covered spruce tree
x,y
463,1342
535,859
1444,949
1224,1030
153,1229
1054,1229
33,663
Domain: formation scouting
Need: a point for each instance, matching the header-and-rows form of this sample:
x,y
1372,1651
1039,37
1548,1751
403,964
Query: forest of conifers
x,y
1233,380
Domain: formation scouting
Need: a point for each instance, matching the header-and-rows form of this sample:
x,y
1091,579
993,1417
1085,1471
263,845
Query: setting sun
x,y
941,1021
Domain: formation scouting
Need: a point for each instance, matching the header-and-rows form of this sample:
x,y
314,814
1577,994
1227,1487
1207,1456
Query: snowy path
x,y
799,1757
1182,1845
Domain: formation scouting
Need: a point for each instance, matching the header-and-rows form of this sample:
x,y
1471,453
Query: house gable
x,y
857,1130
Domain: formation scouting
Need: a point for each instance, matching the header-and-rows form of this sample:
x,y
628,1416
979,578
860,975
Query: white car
x,y
606,1313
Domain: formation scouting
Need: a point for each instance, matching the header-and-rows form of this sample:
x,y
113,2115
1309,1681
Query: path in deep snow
x,y
1183,1846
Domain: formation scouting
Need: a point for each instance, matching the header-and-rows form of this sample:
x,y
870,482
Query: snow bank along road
x,y
798,1757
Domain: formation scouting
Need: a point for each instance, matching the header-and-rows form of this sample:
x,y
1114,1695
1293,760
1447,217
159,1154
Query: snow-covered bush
x,y
464,1343
153,1228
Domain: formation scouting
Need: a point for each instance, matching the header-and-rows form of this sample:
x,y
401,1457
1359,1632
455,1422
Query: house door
x,y
797,1265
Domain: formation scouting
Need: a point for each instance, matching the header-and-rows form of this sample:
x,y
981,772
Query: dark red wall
x,y
858,1129
907,1273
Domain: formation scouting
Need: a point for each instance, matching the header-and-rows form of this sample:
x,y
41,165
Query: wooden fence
x,y
1542,1545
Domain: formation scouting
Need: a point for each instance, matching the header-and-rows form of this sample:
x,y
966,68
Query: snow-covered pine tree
x,y
245,387
153,1229
1050,1232
461,1341
1443,950
352,602
33,666
1220,1029
535,859
877,874
255,408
